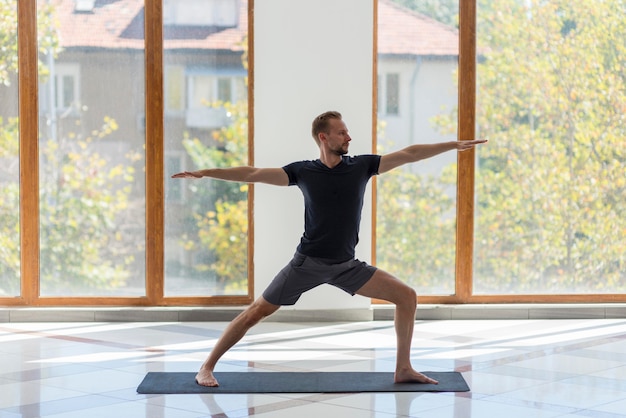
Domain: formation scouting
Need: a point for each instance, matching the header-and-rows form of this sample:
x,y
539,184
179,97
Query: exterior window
x,y
207,93
224,89
388,94
67,90
201,91
205,89
197,93
63,94
392,94
219,13
379,95
174,88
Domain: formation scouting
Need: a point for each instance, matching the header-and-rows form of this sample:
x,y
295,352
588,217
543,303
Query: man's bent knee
x,y
406,298
259,309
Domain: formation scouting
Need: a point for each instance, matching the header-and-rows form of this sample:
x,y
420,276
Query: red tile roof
x,y
402,31
119,24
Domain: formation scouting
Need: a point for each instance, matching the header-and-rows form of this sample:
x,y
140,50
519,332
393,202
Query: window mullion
x,y
466,130
154,151
29,151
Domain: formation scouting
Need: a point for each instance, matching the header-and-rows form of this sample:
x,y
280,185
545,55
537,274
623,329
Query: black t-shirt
x,y
333,199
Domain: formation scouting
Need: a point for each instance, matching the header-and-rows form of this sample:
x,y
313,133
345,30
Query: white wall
x,y
309,57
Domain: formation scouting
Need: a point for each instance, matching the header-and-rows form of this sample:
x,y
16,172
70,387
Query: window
x,y
66,89
548,203
200,93
91,172
209,13
204,89
205,126
224,89
174,84
62,95
550,184
392,94
207,93
388,92
415,212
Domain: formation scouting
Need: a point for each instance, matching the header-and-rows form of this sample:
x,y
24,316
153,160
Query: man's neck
x,y
330,160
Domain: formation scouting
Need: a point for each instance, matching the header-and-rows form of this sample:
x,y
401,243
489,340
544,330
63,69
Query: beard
x,y
340,150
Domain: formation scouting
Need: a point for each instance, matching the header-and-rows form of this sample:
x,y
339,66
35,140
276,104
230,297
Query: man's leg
x,y
384,286
234,332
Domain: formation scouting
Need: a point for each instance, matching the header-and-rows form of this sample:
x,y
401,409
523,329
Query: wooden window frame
x,y
155,196
29,174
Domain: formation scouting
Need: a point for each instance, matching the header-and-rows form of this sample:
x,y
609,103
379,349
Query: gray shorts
x,y
304,273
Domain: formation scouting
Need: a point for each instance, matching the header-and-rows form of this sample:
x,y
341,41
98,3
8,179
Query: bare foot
x,y
206,378
411,376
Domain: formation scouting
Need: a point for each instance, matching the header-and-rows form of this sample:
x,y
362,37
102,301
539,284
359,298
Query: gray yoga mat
x,y
297,382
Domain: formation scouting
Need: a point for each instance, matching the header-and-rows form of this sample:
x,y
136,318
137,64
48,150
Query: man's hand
x,y
465,145
187,175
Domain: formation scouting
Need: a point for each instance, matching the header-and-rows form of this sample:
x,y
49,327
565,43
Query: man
x,y
333,187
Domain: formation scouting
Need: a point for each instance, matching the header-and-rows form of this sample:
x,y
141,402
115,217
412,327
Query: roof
x,y
404,32
114,24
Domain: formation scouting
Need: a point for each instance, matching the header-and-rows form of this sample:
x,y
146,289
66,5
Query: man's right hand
x,y
187,175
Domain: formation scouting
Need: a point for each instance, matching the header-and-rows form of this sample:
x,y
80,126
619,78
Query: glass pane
x,y
206,221
9,154
417,97
550,185
92,182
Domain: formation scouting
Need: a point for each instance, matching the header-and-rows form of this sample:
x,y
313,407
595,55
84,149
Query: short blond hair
x,y
321,123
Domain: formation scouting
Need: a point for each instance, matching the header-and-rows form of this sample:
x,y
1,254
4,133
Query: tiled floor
x,y
515,368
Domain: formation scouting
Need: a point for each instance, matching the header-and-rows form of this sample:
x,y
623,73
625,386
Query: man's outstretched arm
x,y
244,174
417,152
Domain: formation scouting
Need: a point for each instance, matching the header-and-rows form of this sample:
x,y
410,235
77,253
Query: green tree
x,y
551,183
47,39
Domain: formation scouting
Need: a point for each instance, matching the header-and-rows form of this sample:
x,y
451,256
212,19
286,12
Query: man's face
x,y
338,139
